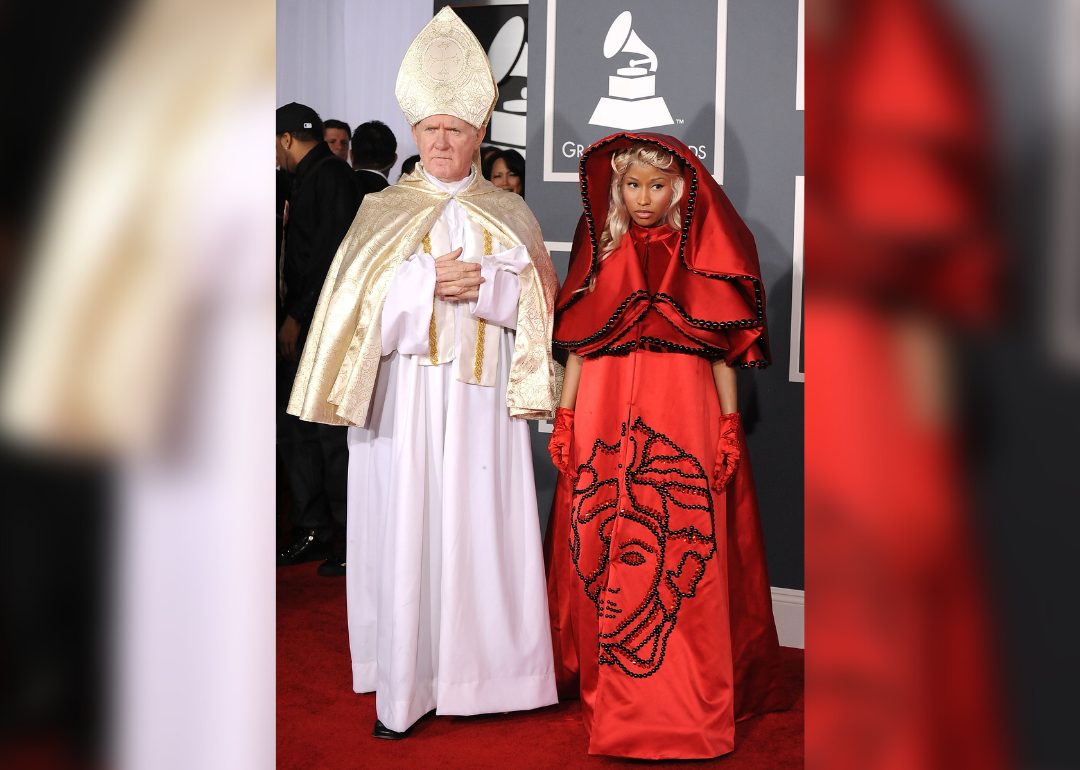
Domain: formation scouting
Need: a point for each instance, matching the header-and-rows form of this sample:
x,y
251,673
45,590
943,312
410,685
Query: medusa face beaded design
x,y
641,538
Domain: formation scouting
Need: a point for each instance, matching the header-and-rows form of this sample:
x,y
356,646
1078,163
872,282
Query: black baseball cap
x,y
298,117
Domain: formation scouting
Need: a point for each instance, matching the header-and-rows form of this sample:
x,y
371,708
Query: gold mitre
x,y
446,72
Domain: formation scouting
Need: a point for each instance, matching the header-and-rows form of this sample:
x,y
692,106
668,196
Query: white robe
x,y
447,599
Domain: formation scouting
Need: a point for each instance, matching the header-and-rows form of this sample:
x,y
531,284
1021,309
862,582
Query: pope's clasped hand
x,y
457,281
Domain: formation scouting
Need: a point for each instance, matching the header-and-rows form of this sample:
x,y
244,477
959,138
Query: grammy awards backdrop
x,y
722,76
649,68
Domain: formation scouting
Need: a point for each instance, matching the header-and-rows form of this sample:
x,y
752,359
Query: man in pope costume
x,y
432,339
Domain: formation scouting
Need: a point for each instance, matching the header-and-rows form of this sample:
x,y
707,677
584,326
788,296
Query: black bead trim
x,y
637,643
674,347
582,495
614,350
743,323
610,322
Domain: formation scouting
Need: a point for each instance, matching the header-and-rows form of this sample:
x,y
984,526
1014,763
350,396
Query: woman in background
x,y
506,169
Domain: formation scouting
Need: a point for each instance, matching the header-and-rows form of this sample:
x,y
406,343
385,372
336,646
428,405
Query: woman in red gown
x,y
658,590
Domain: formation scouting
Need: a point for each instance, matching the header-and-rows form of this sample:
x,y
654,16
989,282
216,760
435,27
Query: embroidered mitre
x,y
446,72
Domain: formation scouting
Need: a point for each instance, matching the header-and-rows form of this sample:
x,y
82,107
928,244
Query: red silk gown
x,y
657,586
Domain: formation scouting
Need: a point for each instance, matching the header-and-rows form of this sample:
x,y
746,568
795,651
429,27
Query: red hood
x,y
709,218
723,280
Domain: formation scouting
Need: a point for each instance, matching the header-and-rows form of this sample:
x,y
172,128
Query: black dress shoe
x,y
333,567
305,548
384,732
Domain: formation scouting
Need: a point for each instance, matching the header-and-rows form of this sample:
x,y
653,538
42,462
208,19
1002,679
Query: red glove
x,y
727,451
559,445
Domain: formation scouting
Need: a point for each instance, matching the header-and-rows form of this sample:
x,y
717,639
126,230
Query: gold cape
x,y
340,362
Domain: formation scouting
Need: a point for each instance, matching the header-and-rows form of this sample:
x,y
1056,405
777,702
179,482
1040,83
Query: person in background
x,y
374,153
485,153
321,206
487,160
506,169
408,166
336,133
284,181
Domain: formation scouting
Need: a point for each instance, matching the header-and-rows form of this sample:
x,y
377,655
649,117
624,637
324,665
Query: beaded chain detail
x,y
481,325
432,332
664,494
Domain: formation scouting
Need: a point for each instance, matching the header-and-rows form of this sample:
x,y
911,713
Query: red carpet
x,y
323,725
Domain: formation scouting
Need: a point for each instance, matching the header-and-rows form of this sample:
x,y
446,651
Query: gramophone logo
x,y
509,57
631,103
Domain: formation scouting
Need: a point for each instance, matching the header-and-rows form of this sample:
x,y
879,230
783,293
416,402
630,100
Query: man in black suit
x,y
374,153
321,206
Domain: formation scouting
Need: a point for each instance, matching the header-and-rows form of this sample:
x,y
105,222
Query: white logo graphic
x,y
509,57
631,103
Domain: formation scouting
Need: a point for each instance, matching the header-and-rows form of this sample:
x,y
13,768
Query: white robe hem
x,y
491,696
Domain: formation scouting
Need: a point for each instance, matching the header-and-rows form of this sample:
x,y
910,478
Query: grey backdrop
x,y
763,155
686,82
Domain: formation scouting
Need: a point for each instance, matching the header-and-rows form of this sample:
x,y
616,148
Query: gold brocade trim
x,y
481,324
478,364
433,337
432,332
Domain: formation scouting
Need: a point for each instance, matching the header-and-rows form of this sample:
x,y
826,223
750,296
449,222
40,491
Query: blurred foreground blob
x,y
143,338
126,248
902,252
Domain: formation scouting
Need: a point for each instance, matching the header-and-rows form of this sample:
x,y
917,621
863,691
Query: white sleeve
x,y
406,315
498,300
